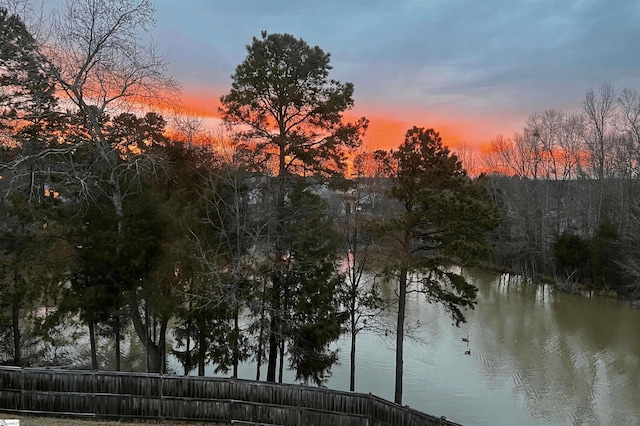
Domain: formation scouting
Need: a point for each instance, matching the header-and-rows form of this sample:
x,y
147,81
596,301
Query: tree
x,y
629,102
154,286
289,115
28,116
99,60
600,109
313,317
27,95
178,190
361,299
95,279
137,238
572,258
28,122
285,104
603,254
540,198
188,123
442,220
630,259
95,55
32,262
228,256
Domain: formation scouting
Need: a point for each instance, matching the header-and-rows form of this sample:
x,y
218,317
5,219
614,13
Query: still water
x,y
538,357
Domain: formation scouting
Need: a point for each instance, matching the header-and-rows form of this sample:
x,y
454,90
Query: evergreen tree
x,y
604,257
442,219
208,252
28,121
313,316
27,94
289,116
572,256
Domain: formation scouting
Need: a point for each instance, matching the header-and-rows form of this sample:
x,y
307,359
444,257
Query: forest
x,y
252,242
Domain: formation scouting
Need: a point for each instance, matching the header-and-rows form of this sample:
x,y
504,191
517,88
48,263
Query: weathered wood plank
x,y
106,394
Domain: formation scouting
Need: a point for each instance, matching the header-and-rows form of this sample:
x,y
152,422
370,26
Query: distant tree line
x,y
568,187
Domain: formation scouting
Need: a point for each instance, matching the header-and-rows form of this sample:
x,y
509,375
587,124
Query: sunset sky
x,y
470,69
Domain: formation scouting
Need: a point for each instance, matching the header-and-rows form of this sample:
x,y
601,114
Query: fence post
x,y
21,398
299,403
161,393
230,400
94,386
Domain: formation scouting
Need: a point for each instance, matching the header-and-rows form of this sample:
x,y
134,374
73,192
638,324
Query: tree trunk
x,y
236,338
187,354
16,332
273,351
352,371
15,319
259,357
154,359
202,347
281,367
92,340
162,346
261,334
117,327
274,329
145,337
402,300
154,351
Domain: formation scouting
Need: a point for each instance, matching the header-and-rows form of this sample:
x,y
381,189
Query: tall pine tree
x,y
442,220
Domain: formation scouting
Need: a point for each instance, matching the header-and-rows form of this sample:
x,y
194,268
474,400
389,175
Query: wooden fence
x,y
116,395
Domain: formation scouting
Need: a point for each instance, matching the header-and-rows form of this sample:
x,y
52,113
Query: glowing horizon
x,y
387,125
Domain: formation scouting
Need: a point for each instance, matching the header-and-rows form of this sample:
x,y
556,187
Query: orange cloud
x,y
204,101
383,132
388,123
388,126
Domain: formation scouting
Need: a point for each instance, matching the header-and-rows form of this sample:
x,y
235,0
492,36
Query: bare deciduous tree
x,y
599,109
468,157
188,123
359,295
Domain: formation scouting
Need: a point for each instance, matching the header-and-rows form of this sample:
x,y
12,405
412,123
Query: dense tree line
x,y
568,187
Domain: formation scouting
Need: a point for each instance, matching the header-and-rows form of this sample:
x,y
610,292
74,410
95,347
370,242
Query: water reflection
x,y
538,357
570,357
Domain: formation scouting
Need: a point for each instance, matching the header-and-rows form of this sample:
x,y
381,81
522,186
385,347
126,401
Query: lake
x,y
538,357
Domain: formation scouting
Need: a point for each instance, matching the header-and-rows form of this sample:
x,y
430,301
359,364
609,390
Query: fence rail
x,y
117,395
